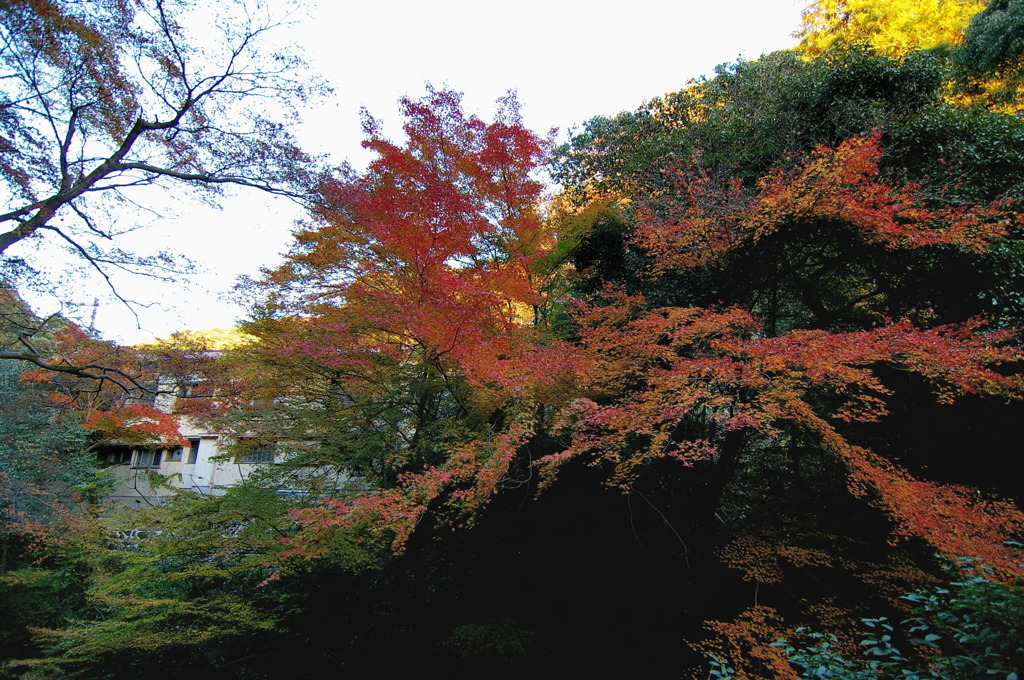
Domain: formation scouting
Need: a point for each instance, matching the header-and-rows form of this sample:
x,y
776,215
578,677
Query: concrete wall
x,y
182,468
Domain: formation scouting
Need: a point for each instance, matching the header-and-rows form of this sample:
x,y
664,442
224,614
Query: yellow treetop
x,y
208,339
891,27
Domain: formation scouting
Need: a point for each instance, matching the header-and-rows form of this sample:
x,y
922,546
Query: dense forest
x,y
725,386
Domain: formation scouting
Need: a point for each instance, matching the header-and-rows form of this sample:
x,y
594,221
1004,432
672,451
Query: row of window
x,y
150,458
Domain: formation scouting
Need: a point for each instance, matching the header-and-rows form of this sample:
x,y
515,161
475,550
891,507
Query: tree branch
x,y
126,382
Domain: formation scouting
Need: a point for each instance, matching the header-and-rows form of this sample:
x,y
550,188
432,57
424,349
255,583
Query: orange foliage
x,y
893,578
761,557
955,520
423,266
673,382
467,480
745,645
704,220
425,257
832,618
670,382
111,404
136,424
698,224
842,186
641,360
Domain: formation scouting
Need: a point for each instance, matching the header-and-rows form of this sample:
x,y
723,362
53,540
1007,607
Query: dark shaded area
x,y
582,581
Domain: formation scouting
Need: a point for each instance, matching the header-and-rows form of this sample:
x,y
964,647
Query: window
x,y
146,459
147,398
193,450
174,455
117,456
259,453
187,388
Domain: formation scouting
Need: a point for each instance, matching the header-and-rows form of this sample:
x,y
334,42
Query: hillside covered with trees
x,y
737,395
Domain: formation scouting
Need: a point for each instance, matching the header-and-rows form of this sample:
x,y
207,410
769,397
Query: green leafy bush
x,y
971,628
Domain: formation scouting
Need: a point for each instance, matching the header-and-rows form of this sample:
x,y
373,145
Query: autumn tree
x,y
408,302
893,28
398,344
801,205
756,116
751,312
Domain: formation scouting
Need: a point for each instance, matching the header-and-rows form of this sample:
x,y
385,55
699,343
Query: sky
x,y
568,61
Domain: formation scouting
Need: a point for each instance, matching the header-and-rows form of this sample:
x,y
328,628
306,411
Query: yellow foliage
x,y
208,339
996,93
890,27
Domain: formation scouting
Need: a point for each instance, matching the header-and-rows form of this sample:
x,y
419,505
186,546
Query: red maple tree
x,y
396,274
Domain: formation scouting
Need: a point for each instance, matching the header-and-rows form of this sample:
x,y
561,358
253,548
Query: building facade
x,y
149,476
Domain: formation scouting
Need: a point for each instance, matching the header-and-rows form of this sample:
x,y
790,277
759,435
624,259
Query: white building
x,y
201,467
150,475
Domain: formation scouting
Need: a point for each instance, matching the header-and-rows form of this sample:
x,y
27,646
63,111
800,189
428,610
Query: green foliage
x,y
756,114
995,38
46,472
972,628
991,58
195,585
43,457
766,116
189,582
34,596
751,115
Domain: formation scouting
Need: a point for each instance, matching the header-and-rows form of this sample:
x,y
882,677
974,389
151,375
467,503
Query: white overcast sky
x,y
568,60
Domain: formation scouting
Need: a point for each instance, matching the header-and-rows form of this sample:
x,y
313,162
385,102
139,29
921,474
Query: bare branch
x,y
128,383
214,179
88,73
96,265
